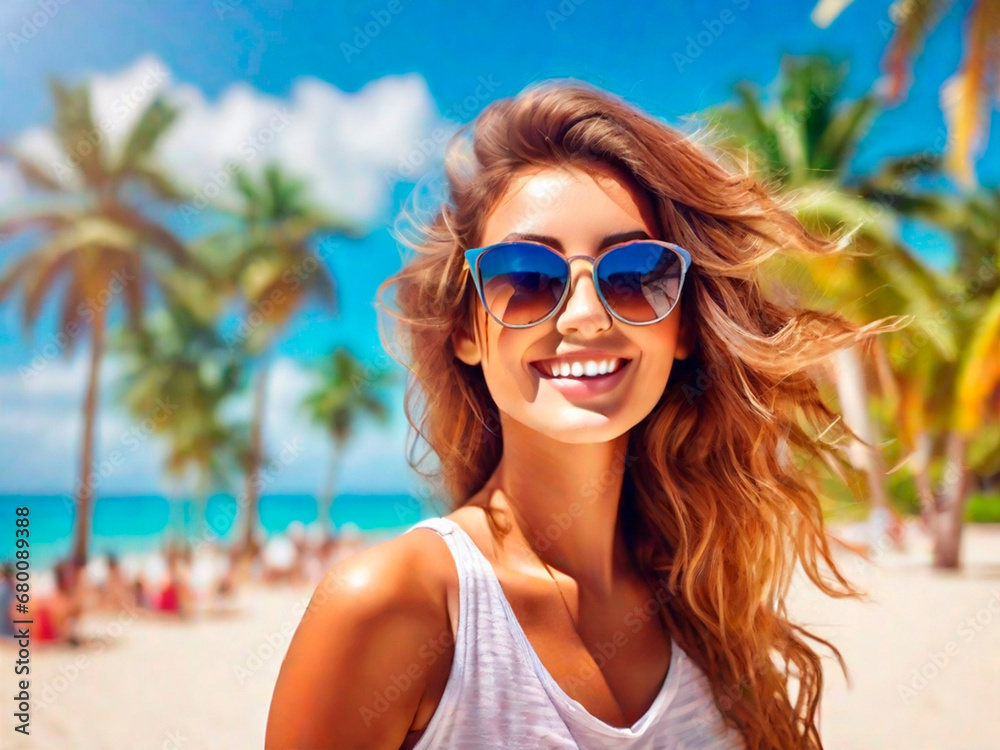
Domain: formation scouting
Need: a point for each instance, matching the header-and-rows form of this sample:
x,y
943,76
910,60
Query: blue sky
x,y
413,66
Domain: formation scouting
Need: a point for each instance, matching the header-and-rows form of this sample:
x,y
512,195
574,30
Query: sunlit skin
x,y
556,451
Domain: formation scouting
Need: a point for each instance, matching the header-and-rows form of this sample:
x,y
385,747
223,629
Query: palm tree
x,y
803,142
93,237
274,269
951,404
180,360
345,392
966,95
940,372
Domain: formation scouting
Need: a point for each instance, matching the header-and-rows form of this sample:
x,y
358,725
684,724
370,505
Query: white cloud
x,y
350,148
118,100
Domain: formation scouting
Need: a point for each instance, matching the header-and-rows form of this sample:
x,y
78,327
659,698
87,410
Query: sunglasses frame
x,y
473,257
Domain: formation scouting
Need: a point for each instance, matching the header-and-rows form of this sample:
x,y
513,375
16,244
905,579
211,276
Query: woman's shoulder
x,y
365,625
413,570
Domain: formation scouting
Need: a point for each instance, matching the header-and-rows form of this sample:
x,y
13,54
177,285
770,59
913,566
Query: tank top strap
x,y
478,600
469,560
492,688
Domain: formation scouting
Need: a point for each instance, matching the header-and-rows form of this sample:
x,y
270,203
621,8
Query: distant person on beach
x,y
57,614
140,592
116,593
176,596
629,432
7,600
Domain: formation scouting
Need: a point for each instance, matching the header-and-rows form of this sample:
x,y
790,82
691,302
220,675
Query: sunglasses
x,y
524,283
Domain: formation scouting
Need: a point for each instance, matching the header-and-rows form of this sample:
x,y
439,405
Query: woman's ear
x,y
465,346
685,339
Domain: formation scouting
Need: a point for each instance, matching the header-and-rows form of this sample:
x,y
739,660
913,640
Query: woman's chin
x,y
572,424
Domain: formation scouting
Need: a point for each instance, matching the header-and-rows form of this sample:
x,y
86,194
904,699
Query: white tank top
x,y
499,695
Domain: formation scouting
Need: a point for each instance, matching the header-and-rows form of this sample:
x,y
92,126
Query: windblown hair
x,y
718,503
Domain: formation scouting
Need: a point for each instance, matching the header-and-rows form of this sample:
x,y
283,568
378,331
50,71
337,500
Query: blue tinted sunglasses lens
x,y
522,283
641,281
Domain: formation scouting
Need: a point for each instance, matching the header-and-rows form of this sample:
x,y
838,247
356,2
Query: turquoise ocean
x,y
143,523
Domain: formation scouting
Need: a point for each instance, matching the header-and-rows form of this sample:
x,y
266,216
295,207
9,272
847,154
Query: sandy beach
x,y
924,660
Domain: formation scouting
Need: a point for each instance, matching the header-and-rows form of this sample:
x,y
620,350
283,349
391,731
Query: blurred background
x,y
196,207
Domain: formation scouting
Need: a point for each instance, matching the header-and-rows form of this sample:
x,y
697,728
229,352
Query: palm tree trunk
x,y
175,517
329,492
201,505
950,513
85,490
854,404
921,466
253,480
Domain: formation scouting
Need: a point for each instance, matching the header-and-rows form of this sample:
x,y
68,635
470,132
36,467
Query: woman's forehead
x,y
569,201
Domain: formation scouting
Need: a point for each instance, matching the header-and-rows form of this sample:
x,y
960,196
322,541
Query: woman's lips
x,y
584,386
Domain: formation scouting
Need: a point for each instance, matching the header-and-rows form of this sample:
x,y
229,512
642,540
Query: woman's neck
x,y
561,499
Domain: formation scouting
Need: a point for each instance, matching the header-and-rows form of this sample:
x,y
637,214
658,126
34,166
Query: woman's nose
x,y
584,310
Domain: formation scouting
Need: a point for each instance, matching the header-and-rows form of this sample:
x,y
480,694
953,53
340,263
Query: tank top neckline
x,y
668,689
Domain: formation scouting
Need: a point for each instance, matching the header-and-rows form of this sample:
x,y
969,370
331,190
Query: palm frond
x,y
155,120
75,128
913,21
979,369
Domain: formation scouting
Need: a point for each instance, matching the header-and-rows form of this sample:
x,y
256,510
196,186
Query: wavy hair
x,y
718,503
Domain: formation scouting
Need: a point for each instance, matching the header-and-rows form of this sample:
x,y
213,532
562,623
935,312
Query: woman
x,y
615,408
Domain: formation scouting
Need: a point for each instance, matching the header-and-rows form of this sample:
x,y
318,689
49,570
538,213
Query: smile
x,y
582,368
583,386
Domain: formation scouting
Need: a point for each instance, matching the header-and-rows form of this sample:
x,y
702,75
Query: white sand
x,y
165,685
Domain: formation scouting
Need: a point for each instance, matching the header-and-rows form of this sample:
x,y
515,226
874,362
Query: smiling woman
x,y
623,529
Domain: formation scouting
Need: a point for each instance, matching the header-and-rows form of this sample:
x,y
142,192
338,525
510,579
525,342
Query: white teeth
x,y
590,368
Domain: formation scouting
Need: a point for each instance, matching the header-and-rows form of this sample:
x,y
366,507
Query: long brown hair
x,y
720,501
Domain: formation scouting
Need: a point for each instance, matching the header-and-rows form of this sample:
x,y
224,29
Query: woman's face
x,y
577,214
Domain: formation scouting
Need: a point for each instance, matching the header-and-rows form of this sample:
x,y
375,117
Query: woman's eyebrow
x,y
611,239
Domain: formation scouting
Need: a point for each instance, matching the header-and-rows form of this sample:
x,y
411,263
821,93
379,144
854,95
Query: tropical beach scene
x,y
201,414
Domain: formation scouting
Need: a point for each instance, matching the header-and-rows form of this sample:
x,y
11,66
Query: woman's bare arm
x,y
354,672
